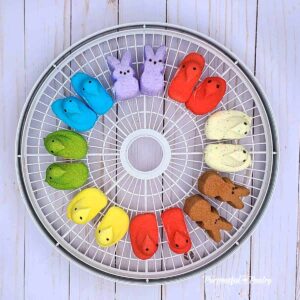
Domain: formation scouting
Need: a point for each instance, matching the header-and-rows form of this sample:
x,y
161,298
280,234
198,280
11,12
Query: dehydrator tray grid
x,y
180,140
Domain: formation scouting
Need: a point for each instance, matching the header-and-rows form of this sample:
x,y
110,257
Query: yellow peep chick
x,y
113,227
86,205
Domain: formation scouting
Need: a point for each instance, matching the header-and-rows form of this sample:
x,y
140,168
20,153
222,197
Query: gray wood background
x,y
265,34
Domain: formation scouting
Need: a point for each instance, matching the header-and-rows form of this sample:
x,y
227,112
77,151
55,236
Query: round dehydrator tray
x,y
122,141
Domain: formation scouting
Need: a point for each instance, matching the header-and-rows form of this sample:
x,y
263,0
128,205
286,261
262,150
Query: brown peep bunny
x,y
213,185
206,216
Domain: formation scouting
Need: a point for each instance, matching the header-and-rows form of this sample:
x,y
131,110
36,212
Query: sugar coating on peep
x,y
74,113
67,176
126,86
66,143
91,90
152,79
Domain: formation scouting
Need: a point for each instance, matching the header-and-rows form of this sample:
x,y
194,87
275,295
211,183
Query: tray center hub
x,y
145,154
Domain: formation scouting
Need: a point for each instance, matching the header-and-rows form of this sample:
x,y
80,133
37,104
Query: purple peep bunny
x,y
126,86
152,79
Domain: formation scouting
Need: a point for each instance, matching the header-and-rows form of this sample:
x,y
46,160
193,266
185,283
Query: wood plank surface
x,y
12,94
85,21
265,34
134,11
233,24
47,33
274,244
223,21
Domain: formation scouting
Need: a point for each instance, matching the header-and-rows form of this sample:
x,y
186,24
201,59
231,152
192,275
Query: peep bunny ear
x,y
161,52
148,52
126,58
242,191
112,61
